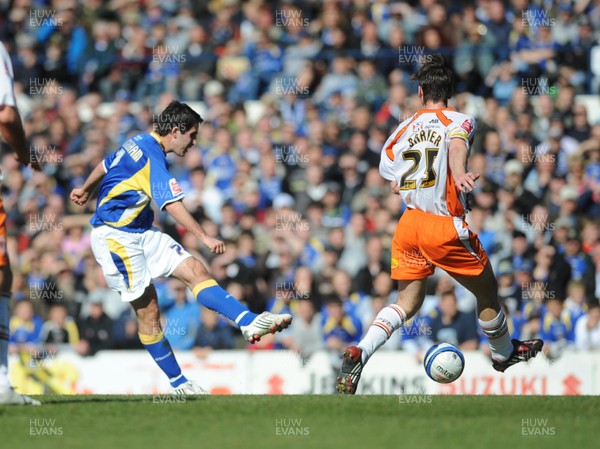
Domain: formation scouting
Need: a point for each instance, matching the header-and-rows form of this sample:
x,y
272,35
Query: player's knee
x,y
152,310
148,313
149,321
409,308
197,272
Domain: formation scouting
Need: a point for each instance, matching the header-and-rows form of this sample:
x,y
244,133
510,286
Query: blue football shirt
x,y
136,174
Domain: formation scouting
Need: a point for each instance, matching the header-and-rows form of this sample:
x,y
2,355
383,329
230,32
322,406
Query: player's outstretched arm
x,y
185,219
12,131
81,195
457,159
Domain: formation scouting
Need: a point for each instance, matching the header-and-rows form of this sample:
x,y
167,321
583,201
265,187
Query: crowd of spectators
x,y
294,188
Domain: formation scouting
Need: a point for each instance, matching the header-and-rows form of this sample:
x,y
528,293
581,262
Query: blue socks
x,y
160,350
210,295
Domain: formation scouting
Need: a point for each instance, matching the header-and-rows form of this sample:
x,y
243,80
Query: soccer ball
x,y
444,363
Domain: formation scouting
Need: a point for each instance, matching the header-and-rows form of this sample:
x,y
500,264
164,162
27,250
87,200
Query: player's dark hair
x,y
436,79
178,115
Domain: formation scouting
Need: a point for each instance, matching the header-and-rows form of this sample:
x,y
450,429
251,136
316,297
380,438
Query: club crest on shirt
x,y
174,186
416,127
466,125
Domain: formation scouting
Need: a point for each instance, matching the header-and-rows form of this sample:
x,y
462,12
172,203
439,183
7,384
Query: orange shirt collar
x,y
424,111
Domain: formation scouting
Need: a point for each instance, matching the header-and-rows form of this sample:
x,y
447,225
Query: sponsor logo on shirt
x,y
134,151
174,186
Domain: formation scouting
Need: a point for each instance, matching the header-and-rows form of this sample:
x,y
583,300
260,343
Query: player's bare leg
x,y
195,276
410,299
8,396
411,295
147,312
505,352
152,337
485,289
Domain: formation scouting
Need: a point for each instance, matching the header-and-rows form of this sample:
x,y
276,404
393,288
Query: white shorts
x,y
130,260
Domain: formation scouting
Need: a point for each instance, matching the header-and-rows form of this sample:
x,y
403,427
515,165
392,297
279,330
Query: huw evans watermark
x,y
415,396
290,290
44,222
168,54
45,155
537,291
290,18
45,87
169,327
292,155
44,18
537,18
286,85
538,86
290,221
45,427
413,55
42,358
168,399
537,427
291,427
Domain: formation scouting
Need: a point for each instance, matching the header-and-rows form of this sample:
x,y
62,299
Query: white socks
x,y
388,320
4,329
497,333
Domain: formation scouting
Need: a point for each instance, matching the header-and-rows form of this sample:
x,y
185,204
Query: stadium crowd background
x,y
298,99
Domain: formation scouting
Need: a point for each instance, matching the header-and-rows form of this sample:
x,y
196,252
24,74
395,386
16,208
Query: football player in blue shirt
x,y
132,252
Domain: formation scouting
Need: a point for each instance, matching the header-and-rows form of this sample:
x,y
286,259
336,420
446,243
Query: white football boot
x,y
265,323
11,397
188,388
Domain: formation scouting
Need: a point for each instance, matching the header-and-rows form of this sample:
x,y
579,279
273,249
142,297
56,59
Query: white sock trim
x,y
176,378
388,320
240,316
495,328
498,336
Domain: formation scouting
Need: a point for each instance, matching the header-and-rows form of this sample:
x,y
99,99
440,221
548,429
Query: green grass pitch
x,y
419,421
